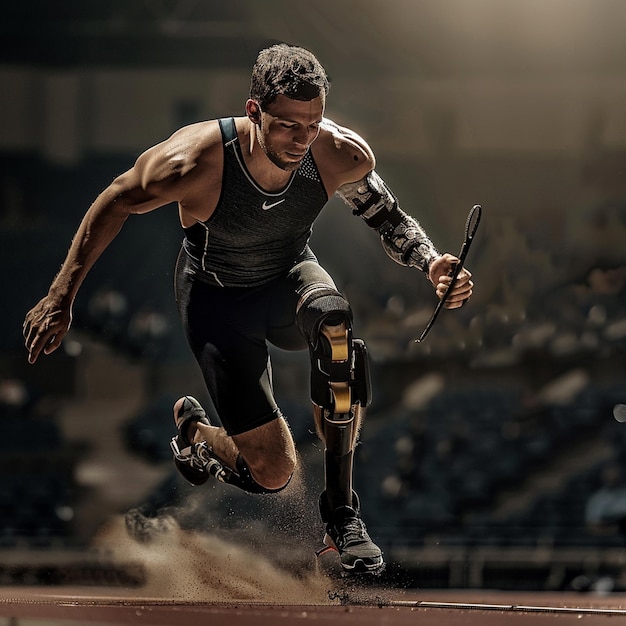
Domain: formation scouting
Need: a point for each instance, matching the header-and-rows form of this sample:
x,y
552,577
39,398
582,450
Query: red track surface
x,y
488,608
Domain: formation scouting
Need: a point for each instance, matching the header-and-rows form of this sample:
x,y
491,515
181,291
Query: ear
x,y
253,111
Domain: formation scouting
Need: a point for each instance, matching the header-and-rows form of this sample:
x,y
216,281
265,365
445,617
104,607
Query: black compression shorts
x,y
228,329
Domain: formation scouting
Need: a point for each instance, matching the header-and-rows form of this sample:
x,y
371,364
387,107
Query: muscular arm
x,y
149,184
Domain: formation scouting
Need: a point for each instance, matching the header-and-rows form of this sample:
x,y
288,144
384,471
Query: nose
x,y
305,136
301,138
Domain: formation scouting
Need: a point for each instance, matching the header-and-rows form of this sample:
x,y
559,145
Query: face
x,y
287,129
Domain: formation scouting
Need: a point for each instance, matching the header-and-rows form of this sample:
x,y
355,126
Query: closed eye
x,y
314,126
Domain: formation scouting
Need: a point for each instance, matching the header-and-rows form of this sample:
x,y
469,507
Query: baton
x,y
471,226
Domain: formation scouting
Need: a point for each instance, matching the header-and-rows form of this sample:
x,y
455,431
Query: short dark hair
x,y
287,70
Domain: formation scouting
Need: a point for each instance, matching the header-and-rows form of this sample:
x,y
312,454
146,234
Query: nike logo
x,y
267,206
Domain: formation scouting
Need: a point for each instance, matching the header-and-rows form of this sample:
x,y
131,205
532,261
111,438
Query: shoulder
x,y
189,148
341,154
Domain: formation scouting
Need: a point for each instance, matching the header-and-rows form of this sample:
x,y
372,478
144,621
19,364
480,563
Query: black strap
x,y
228,128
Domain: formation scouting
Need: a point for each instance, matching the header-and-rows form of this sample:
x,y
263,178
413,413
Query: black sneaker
x,y
195,461
346,533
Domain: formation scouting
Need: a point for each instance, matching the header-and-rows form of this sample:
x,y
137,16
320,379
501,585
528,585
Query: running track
x,y
40,607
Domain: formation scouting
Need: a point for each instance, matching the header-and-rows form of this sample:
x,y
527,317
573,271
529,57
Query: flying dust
x,y
266,558
195,566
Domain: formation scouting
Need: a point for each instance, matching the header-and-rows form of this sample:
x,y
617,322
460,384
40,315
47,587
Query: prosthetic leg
x,y
340,393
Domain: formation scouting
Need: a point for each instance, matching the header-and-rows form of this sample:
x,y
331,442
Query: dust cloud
x,y
190,565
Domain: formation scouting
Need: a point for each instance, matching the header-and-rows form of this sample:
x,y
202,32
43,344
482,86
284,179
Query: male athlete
x,y
248,190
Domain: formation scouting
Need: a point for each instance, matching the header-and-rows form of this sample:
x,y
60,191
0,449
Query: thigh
x,y
224,329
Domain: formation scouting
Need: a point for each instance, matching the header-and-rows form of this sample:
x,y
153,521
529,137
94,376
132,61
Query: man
x,y
248,190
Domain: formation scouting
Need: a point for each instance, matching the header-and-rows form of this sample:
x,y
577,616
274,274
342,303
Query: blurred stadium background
x,y
485,442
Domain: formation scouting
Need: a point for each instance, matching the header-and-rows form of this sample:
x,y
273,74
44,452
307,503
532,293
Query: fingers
x,y
39,340
46,343
443,266
31,340
456,301
43,332
52,344
460,292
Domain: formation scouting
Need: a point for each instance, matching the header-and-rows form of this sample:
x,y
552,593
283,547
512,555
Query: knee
x,y
267,475
268,457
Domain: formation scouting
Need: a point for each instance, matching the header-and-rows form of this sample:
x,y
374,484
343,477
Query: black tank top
x,y
255,236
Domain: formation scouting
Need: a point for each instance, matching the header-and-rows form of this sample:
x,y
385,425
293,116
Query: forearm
x,y
406,242
402,237
98,228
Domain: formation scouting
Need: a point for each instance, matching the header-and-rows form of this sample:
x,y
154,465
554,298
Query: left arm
x,y
402,237
346,157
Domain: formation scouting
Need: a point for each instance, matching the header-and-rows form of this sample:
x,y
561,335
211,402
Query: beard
x,y
277,159
283,164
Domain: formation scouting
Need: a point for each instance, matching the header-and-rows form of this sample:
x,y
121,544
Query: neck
x,y
267,174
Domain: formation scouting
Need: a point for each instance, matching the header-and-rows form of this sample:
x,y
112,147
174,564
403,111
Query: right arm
x,y
404,240
152,182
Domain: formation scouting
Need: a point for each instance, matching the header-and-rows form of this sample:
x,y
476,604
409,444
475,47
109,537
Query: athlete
x,y
248,190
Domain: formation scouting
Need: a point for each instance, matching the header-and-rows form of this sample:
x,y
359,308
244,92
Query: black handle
x,y
471,226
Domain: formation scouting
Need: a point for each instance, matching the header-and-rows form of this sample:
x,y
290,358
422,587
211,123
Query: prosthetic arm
x,y
403,239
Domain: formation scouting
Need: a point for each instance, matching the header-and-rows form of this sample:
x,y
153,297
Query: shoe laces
x,y
352,530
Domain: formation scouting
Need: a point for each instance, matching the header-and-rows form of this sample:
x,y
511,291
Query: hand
x,y
440,274
45,326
